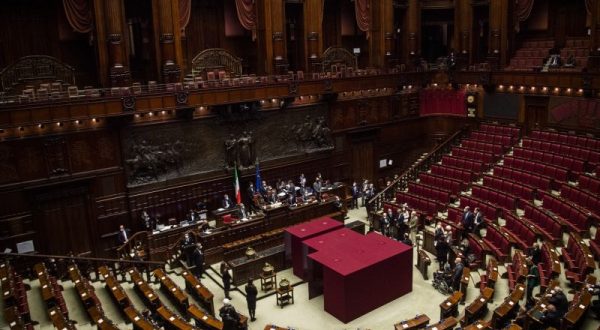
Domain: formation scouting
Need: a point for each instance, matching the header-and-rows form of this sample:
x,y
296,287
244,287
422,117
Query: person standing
x,y
478,222
458,271
198,258
226,275
355,195
533,280
251,293
122,236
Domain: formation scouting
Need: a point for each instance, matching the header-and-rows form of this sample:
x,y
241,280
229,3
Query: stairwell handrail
x,y
412,172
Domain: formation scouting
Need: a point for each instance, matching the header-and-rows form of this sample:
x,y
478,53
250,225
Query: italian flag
x,y
236,184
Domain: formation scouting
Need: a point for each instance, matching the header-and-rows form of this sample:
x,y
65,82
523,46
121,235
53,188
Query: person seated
x,y
226,203
229,316
559,300
242,214
570,62
551,317
407,240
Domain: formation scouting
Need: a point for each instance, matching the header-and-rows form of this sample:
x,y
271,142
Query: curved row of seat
x,y
552,171
589,155
550,228
463,163
574,140
534,180
578,260
506,201
14,296
523,233
480,156
498,242
590,183
500,129
504,140
489,211
496,149
575,219
581,197
449,184
429,192
509,186
423,205
517,270
463,175
549,266
575,165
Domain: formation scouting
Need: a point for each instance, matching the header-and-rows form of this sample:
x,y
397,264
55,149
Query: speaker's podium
x,y
357,273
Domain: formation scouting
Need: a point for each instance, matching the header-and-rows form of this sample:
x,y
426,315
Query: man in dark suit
x,y
535,253
122,236
551,317
317,188
251,293
229,316
355,195
458,270
226,275
187,248
242,214
559,300
198,258
467,221
226,203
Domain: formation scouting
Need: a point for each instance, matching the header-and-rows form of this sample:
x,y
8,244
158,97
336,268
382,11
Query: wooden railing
x,y
136,244
421,165
23,264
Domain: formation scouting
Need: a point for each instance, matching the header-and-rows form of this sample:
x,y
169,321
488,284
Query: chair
x,y
227,219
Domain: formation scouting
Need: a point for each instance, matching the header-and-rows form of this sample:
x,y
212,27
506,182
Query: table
x,y
284,296
418,322
244,269
295,235
342,261
139,322
268,281
171,289
447,323
478,307
506,309
199,291
203,319
449,307
172,320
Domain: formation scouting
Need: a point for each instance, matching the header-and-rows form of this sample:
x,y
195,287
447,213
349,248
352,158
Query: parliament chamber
x,y
160,156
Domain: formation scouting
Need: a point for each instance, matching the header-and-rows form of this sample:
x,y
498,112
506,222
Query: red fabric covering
x,y
442,102
295,235
360,273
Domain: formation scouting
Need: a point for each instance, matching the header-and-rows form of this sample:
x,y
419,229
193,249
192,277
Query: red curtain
x,y
246,15
185,8
522,11
442,102
362,10
79,15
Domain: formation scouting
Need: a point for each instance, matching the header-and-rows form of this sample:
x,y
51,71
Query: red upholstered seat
x,y
227,219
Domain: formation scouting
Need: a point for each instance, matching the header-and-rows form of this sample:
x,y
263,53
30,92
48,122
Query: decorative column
x,y
118,63
313,32
463,20
381,34
168,23
413,49
594,58
498,40
271,35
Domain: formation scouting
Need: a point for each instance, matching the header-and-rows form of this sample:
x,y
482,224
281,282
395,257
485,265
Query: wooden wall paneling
x,y
313,32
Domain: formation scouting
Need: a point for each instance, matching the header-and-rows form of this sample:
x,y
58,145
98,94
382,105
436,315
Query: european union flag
x,y
258,186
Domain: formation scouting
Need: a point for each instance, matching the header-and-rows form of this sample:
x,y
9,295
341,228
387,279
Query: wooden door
x,y
362,160
62,220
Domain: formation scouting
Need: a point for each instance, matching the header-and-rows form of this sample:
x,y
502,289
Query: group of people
x,y
472,221
401,225
364,191
229,315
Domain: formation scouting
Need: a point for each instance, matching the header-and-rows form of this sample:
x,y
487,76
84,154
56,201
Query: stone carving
x,y
313,134
149,162
240,151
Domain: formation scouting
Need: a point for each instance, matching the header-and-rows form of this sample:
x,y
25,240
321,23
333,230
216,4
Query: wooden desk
x,y
449,307
464,283
284,296
532,318
575,314
447,323
138,321
150,298
274,327
116,291
479,325
105,324
268,281
423,261
203,319
179,299
244,269
478,308
172,320
58,319
199,291
418,322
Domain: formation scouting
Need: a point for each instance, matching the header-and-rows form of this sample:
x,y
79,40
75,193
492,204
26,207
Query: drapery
x,y
522,11
246,15
79,15
442,102
185,9
362,10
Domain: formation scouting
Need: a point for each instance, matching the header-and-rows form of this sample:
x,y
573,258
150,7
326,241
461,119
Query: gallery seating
x,y
496,149
517,270
581,197
490,212
534,180
452,185
500,129
508,186
465,176
573,164
576,219
523,233
507,202
565,138
485,157
429,192
498,242
590,155
549,227
549,266
552,171
505,141
590,183
463,163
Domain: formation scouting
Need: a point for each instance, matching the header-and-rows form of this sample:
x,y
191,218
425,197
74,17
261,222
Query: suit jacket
x,y
251,293
468,220
478,219
121,238
198,257
458,270
227,203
